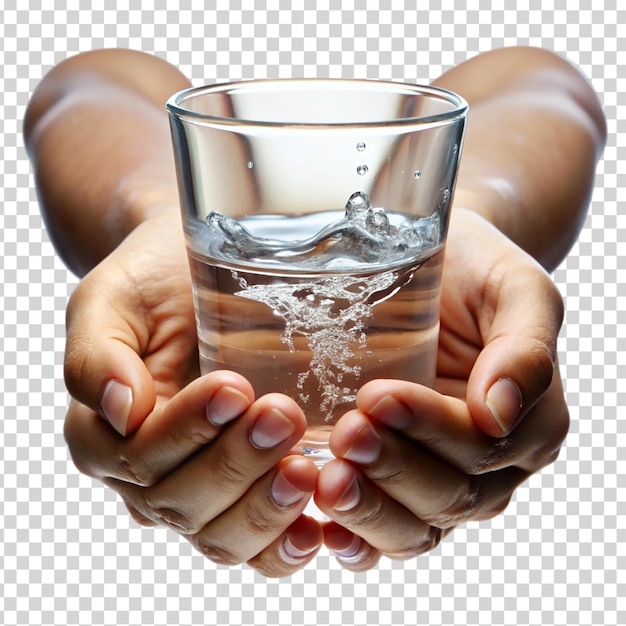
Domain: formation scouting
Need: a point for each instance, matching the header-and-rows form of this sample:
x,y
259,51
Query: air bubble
x,y
250,165
360,146
417,174
361,170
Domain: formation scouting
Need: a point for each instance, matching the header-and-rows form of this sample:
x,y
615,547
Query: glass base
x,y
314,446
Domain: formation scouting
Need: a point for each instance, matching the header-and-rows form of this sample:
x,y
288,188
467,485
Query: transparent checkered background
x,y
69,552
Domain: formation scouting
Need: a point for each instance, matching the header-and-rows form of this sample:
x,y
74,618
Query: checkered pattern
x,y
70,553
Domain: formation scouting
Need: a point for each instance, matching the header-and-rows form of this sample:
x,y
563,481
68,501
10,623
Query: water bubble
x,y
360,146
361,170
417,174
250,165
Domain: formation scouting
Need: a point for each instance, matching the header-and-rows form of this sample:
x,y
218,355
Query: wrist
x,y
144,201
473,201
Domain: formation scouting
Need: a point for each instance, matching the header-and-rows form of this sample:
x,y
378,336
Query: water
x,y
314,306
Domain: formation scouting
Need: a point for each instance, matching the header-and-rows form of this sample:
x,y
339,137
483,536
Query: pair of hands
x,y
205,457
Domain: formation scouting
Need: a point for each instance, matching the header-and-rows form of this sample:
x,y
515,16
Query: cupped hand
x,y
412,462
197,454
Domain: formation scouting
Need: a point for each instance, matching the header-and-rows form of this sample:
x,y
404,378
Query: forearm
x,y
534,134
97,133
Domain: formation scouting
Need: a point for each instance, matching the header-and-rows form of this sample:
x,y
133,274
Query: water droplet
x,y
357,204
250,165
360,146
417,174
361,170
377,221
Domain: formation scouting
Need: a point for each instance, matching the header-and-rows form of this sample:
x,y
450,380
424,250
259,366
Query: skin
x,y
205,457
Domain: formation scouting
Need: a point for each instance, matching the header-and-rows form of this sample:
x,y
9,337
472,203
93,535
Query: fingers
x,y
414,462
292,550
383,523
190,421
517,364
265,527
353,552
218,475
131,328
444,427
234,496
258,520
512,311
436,492
394,498
103,369
430,421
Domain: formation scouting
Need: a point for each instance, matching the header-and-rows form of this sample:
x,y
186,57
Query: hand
x,y
413,463
198,454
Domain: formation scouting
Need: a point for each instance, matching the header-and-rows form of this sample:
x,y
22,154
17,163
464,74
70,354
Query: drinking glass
x,y
315,215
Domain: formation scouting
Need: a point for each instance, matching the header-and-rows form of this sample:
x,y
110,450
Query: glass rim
x,y
175,103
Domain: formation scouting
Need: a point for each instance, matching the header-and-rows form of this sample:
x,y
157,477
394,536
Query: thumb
x,y
518,361
103,368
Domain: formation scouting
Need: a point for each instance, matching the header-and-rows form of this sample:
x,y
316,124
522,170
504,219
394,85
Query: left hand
x,y
412,462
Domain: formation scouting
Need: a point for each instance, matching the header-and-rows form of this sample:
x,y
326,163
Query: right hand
x,y
197,454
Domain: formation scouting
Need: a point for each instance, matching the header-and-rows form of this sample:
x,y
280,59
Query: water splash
x,y
365,235
330,312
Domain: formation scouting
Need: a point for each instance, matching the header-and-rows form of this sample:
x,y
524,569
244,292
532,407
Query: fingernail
x,y
225,405
117,400
283,492
366,448
350,552
271,428
504,400
393,413
349,498
290,554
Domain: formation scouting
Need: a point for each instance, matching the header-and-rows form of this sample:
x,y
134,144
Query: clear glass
x,y
315,214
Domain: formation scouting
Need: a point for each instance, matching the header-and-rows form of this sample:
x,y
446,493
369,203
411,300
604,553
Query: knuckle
x,y
229,470
427,542
81,462
79,348
138,516
496,508
77,355
271,567
543,456
541,355
176,520
161,509
370,518
133,471
554,431
199,438
389,474
259,522
216,553
491,456
461,506
191,437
